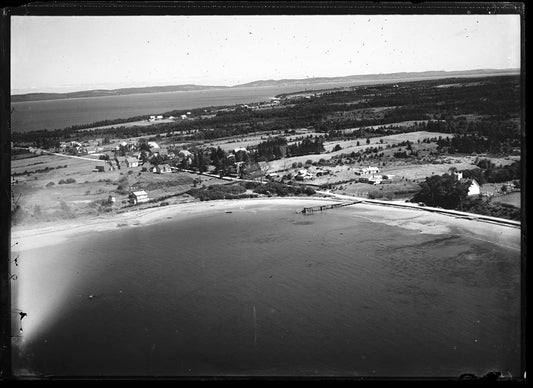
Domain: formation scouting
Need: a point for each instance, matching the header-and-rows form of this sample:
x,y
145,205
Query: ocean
x,y
57,114
263,291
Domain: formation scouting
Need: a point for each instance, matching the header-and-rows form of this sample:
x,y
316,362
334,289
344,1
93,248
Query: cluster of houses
x,y
133,158
371,175
303,175
77,148
160,117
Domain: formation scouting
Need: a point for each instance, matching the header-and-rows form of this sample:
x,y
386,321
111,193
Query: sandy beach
x,y
419,221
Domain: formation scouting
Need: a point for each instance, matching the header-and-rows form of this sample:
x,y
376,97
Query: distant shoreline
x,y
343,80
418,220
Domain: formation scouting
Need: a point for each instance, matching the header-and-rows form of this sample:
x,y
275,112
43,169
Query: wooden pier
x,y
314,209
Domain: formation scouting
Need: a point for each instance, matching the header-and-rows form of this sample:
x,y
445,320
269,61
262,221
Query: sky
x,y
70,53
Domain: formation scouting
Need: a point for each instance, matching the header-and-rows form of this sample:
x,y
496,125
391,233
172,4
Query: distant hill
x,y
111,92
377,77
262,83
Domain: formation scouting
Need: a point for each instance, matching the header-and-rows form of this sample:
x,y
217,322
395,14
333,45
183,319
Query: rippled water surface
x,y
269,292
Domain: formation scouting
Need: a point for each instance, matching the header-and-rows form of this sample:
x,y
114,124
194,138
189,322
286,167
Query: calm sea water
x,y
270,292
54,114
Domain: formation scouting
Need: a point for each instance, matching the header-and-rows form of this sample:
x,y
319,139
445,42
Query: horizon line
x,y
514,69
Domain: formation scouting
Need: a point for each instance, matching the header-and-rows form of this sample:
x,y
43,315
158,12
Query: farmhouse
x,y
132,162
303,174
370,170
241,149
163,168
474,189
184,154
138,197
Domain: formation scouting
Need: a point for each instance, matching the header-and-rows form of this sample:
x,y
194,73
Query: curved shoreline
x,y
416,219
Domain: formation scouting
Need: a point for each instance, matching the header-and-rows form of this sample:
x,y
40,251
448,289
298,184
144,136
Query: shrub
x,y
61,182
309,191
218,192
49,184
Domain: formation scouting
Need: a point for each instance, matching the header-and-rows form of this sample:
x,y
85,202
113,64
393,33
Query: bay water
x,y
264,291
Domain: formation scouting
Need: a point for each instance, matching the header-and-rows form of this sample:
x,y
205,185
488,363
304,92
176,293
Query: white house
x,y
304,174
153,144
138,197
457,175
132,162
370,170
184,154
474,189
163,168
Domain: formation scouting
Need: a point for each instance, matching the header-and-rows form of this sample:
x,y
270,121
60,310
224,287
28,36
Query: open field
x,y
511,199
349,146
140,123
413,137
42,198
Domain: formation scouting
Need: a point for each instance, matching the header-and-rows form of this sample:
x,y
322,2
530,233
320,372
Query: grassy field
x,y
511,199
42,198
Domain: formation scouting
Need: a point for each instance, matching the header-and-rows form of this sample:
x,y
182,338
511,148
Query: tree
x,y
367,140
443,191
144,147
265,168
